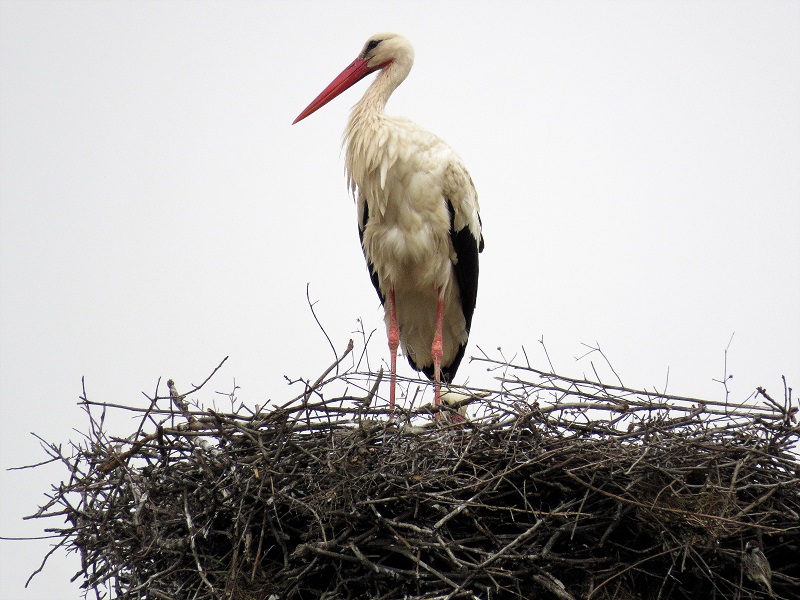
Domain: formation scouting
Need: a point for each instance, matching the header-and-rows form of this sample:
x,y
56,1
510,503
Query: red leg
x,y
394,342
437,351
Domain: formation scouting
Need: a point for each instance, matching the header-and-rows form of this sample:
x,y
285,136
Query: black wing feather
x,y
466,268
466,271
372,274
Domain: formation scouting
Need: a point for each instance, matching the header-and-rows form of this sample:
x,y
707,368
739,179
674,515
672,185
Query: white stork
x,y
417,217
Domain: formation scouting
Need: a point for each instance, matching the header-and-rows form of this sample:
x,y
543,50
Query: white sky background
x,y
637,163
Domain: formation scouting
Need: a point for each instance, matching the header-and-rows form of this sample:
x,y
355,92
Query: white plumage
x,y
417,216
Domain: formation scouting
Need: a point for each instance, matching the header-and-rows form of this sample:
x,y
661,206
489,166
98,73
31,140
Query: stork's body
x,y
417,217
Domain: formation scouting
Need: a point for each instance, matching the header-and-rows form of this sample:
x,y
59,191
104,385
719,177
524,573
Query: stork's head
x,y
382,50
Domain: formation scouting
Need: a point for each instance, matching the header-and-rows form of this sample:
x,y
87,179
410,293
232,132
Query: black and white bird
x,y
417,217
756,566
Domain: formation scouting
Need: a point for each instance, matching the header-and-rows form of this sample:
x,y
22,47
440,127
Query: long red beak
x,y
354,73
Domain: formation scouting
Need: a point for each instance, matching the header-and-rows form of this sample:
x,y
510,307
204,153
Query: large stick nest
x,y
554,488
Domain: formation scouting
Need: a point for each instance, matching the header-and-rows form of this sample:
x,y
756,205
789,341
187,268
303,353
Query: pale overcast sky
x,y
637,163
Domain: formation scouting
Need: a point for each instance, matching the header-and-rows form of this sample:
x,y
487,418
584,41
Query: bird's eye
x,y
371,45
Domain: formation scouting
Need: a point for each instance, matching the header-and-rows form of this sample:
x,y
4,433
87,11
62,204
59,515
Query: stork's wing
x,y
362,225
466,271
466,267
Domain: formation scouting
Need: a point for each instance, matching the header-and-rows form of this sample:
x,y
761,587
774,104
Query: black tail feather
x,y
448,371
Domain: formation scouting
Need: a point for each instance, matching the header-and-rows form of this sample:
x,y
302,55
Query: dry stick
x,y
439,575
756,502
207,379
628,568
604,387
457,510
116,460
257,559
446,547
373,390
553,585
336,363
147,412
321,328
679,511
44,560
179,401
310,389
368,563
768,398
192,533
735,475
517,540
410,554
580,509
